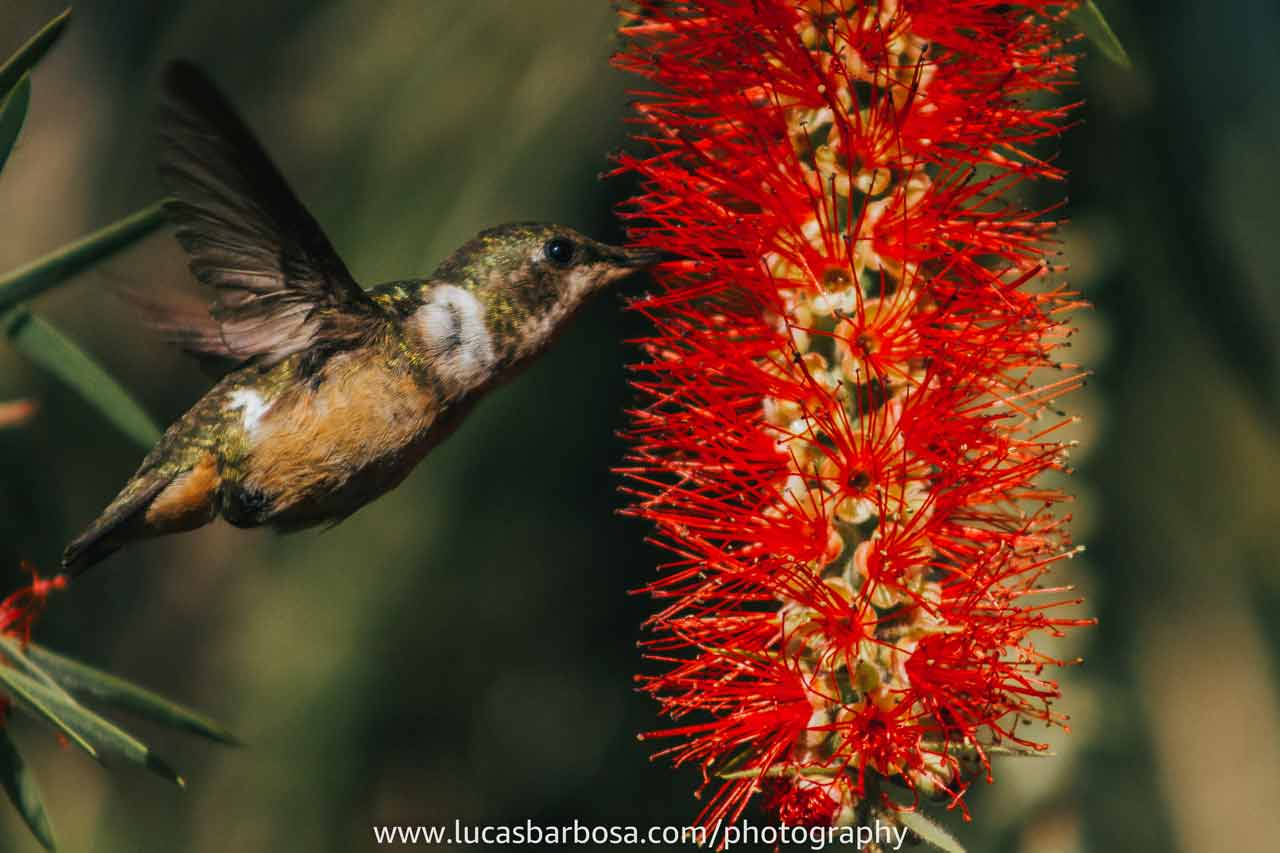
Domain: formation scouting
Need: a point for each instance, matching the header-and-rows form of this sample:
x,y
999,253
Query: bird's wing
x,y
280,286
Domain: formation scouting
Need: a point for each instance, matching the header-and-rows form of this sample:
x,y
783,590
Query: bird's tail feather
x,y
110,531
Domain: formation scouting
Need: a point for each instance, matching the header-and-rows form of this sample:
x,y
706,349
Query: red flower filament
x,y
846,411
19,611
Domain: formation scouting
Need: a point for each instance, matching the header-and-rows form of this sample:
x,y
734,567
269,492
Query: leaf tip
x,y
1093,23
161,767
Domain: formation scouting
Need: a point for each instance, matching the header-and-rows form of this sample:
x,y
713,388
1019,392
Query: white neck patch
x,y
456,336
252,407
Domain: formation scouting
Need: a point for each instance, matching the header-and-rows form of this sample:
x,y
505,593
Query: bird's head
x,y
505,295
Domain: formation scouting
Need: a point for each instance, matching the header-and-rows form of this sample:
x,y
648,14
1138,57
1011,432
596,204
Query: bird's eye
x,y
559,251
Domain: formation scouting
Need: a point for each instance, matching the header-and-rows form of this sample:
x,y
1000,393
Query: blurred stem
x,y
43,273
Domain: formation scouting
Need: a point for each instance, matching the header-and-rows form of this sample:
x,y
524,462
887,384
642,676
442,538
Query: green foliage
x,y
95,734
32,52
112,690
46,346
59,265
40,682
1089,18
23,791
929,832
49,687
13,111
32,336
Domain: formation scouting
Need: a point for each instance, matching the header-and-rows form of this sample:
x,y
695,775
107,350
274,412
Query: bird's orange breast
x,y
323,447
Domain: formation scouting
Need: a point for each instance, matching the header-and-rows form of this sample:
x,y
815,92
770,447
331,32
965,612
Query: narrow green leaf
x,y
83,725
1089,18
23,791
33,696
12,651
929,832
13,112
84,680
50,349
31,52
43,273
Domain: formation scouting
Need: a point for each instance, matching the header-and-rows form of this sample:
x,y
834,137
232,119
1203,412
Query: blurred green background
x,y
465,647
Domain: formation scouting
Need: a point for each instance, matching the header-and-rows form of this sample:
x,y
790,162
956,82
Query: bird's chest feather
x,y
354,428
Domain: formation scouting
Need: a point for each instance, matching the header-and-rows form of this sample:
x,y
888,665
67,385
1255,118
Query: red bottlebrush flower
x,y
844,421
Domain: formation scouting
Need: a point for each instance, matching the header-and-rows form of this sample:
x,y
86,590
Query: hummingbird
x,y
333,393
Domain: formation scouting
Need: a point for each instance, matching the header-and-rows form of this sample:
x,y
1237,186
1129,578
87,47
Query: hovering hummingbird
x,y
336,392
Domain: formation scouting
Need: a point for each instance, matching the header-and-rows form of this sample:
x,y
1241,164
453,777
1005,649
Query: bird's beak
x,y
635,259
621,263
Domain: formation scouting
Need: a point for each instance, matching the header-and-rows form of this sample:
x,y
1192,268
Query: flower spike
x,y
848,396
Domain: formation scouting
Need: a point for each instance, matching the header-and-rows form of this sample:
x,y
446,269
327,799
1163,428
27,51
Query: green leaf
x,y
13,112
84,680
49,348
33,697
11,649
41,274
21,787
46,346
1089,18
31,52
83,725
929,832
